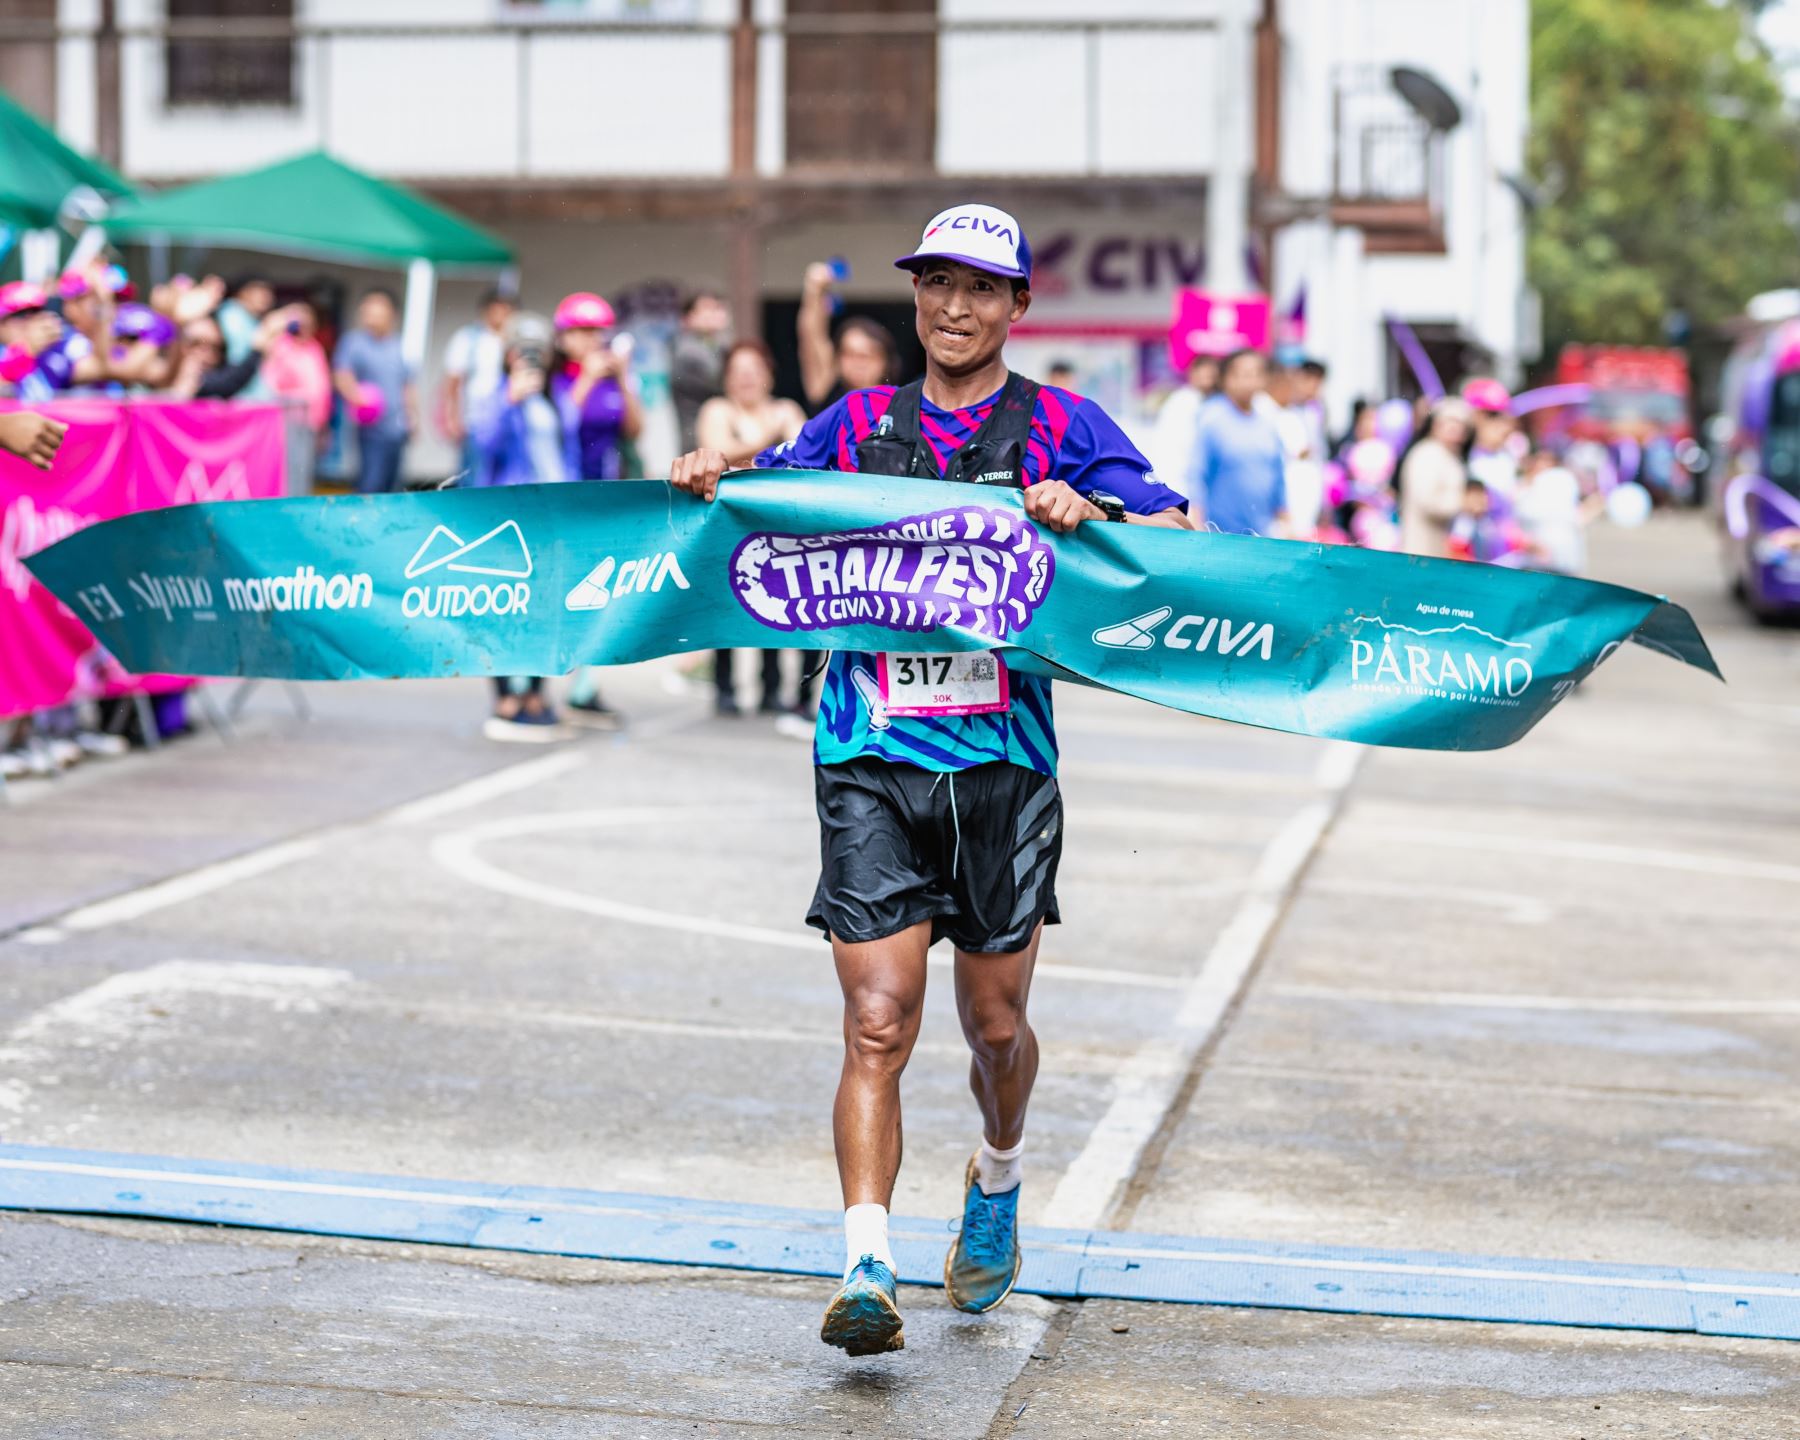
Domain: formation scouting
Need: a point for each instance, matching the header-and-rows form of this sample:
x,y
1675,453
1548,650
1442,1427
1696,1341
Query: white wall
x,y
1080,102
1480,54
447,106
1072,102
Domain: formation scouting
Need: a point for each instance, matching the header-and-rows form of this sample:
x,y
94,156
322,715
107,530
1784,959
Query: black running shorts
x,y
974,852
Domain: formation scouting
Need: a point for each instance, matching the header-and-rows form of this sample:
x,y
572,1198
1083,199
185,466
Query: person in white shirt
x,y
1284,403
1171,447
475,367
1548,508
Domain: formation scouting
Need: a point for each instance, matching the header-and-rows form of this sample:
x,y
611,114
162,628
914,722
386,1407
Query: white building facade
x,y
642,147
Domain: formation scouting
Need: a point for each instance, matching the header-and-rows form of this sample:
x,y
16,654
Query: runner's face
x,y
964,315
861,361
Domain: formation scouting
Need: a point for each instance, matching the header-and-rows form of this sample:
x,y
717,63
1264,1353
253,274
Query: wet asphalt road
x,y
1542,1002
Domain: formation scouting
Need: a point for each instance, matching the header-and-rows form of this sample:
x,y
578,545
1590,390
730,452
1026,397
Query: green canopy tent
x,y
39,173
320,208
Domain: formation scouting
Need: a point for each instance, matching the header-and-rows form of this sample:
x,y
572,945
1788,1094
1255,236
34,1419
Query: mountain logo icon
x,y
1135,634
501,552
592,593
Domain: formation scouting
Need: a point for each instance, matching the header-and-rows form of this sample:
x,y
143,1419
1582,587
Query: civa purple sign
x,y
972,568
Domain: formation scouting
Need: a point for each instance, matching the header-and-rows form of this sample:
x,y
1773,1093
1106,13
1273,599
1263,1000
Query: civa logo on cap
x,y
973,218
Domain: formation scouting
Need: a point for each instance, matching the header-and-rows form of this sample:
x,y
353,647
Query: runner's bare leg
x,y
991,992
884,999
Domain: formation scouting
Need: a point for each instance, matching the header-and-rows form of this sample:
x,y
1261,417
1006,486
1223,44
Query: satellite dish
x,y
1529,195
1429,100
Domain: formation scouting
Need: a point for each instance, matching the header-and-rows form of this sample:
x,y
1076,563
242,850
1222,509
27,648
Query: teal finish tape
x,y
534,580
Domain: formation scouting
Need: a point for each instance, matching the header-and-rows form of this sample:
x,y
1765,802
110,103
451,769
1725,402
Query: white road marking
x,y
1624,1094
487,787
113,1012
1594,1004
1150,1080
458,852
1547,847
1162,777
827,1224
1337,766
1083,1060
1516,907
146,899
135,904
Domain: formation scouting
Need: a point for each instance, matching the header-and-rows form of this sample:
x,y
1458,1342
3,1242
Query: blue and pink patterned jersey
x,y
1072,440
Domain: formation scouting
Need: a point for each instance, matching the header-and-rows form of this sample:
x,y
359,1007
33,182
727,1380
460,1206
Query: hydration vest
x,y
994,455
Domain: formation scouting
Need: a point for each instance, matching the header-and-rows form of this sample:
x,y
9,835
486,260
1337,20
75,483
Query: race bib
x,y
969,682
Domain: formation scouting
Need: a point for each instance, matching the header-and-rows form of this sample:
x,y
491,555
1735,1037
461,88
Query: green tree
x,y
1668,162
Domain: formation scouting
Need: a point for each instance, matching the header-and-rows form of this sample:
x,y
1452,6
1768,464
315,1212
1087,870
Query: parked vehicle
x,y
1756,449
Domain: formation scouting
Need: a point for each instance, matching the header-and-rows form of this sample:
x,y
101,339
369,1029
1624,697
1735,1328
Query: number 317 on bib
x,y
970,682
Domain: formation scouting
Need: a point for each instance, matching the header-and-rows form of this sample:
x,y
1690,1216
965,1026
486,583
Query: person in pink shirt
x,y
297,368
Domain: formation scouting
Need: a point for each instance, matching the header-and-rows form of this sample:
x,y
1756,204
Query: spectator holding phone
x,y
861,355
590,385
205,373
515,435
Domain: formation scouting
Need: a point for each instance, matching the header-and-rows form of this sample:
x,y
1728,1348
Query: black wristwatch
x,y
1111,506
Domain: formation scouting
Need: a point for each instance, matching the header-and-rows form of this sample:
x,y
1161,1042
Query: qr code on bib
x,y
981,668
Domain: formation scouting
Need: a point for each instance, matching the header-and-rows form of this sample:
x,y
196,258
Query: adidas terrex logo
x,y
500,553
1190,632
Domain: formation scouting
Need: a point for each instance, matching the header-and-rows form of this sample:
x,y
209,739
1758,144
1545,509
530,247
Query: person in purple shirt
x,y
940,815
591,389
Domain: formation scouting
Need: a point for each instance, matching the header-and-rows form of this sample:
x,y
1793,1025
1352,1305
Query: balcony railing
x,y
1388,168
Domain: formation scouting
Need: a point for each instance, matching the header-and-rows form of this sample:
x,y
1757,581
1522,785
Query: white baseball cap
x,y
977,235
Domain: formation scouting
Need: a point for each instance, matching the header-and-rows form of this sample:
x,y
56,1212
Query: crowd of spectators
x,y
529,398
1453,478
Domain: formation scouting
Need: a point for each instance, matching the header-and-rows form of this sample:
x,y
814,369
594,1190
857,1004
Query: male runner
x,y
947,824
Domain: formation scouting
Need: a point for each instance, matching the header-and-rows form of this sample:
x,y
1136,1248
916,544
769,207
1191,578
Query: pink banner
x,y
1207,324
117,457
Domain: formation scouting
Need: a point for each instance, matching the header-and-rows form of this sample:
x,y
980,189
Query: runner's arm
x,y
814,448
32,437
812,326
1095,455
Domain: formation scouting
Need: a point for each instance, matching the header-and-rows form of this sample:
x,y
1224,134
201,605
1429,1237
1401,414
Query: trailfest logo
x,y
975,569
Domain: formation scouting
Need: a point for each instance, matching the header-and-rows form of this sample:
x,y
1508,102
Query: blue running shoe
x,y
864,1319
983,1264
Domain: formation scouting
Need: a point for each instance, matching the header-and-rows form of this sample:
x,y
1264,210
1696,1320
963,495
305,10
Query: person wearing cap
x,y
515,435
1490,460
592,389
87,310
597,403
376,381
1433,477
944,820
28,328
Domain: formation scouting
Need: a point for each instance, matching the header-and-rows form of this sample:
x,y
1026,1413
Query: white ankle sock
x,y
865,1233
997,1171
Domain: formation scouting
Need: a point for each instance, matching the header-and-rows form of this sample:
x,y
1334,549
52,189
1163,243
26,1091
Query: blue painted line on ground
x,y
1060,1263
